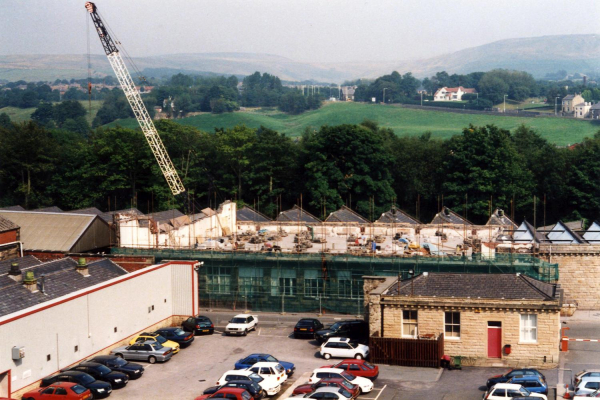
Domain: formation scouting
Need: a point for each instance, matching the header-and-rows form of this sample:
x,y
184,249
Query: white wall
x,y
88,318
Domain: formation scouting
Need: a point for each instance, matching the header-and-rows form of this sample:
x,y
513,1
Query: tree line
x,y
365,167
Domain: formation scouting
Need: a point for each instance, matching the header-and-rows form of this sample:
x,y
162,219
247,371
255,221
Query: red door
x,y
494,341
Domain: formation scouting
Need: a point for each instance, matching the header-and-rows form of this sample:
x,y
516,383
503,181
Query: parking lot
x,y
199,366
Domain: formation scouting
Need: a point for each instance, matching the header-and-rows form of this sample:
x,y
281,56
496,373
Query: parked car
x,y
533,383
177,335
512,373
358,368
333,393
270,386
199,325
60,390
587,385
355,329
592,395
252,387
241,324
252,359
333,382
344,348
503,391
99,389
270,370
364,384
307,327
102,373
227,393
148,351
143,337
586,373
133,370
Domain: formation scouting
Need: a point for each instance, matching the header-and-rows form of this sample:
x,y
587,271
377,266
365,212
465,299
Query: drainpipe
x,y
9,243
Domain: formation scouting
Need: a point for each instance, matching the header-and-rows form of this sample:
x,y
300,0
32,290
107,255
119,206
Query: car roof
x,y
148,334
339,339
89,364
239,382
352,361
70,372
231,390
590,379
242,315
308,319
328,389
239,372
168,329
266,364
507,386
257,354
64,384
106,357
338,380
327,369
149,342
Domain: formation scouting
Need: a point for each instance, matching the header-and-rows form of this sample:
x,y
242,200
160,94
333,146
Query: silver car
x,y
150,351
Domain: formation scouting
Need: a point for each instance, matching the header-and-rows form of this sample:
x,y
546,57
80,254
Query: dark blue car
x,y
511,374
533,383
254,358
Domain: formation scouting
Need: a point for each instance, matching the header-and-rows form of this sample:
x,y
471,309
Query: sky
x,y
302,30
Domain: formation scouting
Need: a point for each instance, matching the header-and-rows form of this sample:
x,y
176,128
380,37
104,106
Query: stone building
x,y
508,320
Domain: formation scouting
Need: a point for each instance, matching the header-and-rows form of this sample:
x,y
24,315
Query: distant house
x,y
582,110
595,111
570,101
451,93
347,93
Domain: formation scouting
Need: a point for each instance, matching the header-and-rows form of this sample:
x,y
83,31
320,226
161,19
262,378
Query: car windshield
x,y
344,393
347,385
85,379
119,362
103,369
157,346
368,365
160,339
238,321
179,331
348,376
335,326
271,359
78,389
354,344
256,378
304,323
279,368
524,392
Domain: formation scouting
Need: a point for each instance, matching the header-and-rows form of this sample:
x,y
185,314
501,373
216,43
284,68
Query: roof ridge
x,y
111,261
526,278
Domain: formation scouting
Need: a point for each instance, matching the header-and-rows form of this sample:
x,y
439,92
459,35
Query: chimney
x,y
30,282
82,267
15,272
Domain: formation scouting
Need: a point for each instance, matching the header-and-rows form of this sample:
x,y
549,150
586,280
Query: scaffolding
x,y
282,282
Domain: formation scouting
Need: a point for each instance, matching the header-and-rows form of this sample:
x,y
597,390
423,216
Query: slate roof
x,y
61,278
23,262
164,216
296,214
447,216
53,209
89,211
13,208
346,214
249,214
7,225
108,216
569,97
485,286
501,219
595,106
397,217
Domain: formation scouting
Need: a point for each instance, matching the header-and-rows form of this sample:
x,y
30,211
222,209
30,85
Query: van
x,y
354,329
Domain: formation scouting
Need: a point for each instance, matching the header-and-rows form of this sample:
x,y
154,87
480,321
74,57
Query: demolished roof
x,y
249,214
108,216
164,216
447,216
501,219
296,214
346,214
396,216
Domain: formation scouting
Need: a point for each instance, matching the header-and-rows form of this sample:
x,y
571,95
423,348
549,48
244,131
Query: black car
x,y
199,324
252,387
355,329
133,370
515,372
102,373
99,389
177,335
307,327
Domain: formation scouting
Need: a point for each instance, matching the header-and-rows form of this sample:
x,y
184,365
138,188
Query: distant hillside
x,y
538,56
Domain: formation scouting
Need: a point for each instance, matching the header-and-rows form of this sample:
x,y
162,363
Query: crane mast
x,y
137,105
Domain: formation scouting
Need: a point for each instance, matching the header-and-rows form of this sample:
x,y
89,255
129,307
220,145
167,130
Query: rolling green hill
x,y
24,114
403,121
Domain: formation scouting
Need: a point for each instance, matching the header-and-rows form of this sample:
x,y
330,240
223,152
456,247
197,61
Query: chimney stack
x,y
15,272
30,282
82,267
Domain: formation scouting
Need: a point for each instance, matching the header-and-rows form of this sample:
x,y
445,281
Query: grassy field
x,y
403,121
24,114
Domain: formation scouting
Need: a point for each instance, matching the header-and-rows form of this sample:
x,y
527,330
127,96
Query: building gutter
x,y
9,243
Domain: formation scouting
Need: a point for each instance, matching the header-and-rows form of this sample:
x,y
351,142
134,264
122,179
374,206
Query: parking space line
x,y
380,391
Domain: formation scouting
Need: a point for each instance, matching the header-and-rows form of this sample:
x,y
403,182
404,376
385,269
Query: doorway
x,y
494,339
5,384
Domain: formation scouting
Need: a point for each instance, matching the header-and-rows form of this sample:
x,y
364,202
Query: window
x,y
529,328
250,280
283,282
50,390
452,325
61,390
349,286
219,279
313,283
409,323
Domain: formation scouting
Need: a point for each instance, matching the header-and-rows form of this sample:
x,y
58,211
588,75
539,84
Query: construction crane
x,y
136,103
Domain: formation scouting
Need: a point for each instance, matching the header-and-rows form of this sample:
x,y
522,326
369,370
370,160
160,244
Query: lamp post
x,y
384,94
421,99
555,104
505,102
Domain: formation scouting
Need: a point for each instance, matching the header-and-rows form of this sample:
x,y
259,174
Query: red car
x,y
335,382
229,393
59,390
357,368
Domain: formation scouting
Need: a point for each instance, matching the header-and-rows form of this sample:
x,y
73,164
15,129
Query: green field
x,y
23,114
403,121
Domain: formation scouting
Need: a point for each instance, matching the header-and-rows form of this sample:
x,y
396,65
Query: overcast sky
x,y
302,30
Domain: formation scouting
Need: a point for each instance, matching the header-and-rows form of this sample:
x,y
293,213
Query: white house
x,y
451,93
582,110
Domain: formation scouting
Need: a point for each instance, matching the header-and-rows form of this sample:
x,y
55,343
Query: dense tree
x,y
4,120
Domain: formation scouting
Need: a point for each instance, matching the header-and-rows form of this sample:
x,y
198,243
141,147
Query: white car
x,y
241,324
586,373
592,395
587,385
343,348
268,385
505,391
365,385
324,393
270,371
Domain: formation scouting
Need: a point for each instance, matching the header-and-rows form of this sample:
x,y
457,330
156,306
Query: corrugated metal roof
x,y
7,225
49,231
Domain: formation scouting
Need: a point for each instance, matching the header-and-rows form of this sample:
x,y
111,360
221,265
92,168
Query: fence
x,y
407,352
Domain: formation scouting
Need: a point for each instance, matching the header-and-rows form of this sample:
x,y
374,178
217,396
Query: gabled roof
x,y
396,216
346,214
60,278
23,262
595,106
13,208
53,209
484,286
296,214
562,234
7,225
526,233
447,216
249,214
89,211
501,219
569,97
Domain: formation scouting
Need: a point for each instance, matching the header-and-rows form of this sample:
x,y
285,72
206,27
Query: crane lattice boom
x,y
137,105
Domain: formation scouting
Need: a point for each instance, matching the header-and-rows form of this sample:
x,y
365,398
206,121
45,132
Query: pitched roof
x,y
13,208
53,231
296,214
346,214
501,219
447,216
23,262
89,211
526,233
562,234
249,214
7,225
60,278
397,216
592,235
485,286
164,216
53,209
595,106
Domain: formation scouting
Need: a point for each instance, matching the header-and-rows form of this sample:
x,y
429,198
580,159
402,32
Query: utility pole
x,y
384,94
505,102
